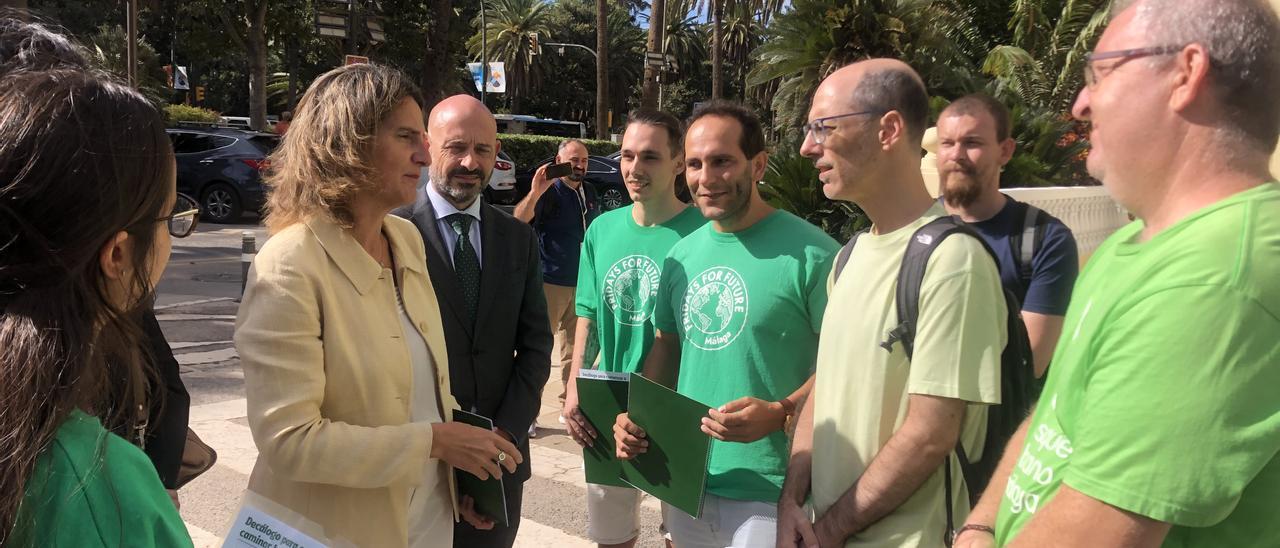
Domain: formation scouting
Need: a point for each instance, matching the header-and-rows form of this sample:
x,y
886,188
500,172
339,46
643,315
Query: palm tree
x,y
602,69
741,35
514,26
684,39
812,39
762,10
649,95
1042,67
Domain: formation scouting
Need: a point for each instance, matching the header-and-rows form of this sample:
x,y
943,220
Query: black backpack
x,y
1019,388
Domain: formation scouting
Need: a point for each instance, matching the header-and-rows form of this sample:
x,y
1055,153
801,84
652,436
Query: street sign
x,y
180,79
495,80
354,59
331,24
653,55
376,34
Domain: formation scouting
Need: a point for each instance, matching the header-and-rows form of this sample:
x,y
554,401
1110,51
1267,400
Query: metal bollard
x,y
248,248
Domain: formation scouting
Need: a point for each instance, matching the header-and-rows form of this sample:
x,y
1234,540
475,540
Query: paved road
x,y
197,307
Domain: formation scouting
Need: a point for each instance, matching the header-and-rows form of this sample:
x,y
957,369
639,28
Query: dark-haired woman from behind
x,y
86,199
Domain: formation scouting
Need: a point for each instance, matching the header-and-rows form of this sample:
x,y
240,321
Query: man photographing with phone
x,y
560,207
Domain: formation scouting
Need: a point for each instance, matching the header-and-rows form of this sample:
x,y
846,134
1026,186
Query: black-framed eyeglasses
x,y
1092,75
182,223
821,130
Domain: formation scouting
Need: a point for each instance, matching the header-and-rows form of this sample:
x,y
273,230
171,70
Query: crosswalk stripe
x,y
536,535
211,356
202,538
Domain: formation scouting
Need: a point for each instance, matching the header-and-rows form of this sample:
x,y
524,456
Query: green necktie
x,y
465,263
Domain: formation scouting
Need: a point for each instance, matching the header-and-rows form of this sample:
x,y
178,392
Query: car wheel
x,y
613,198
220,204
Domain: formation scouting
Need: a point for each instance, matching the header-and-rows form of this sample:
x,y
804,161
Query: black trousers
x,y
466,536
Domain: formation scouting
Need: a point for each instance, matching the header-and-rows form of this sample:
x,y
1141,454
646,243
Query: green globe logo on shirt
x,y
715,308
630,288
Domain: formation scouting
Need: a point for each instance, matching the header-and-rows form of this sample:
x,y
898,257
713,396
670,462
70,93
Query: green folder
x,y
674,468
601,397
490,498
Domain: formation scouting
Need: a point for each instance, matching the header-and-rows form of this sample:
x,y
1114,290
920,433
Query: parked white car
x,y
502,183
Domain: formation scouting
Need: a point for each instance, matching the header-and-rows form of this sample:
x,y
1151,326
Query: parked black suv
x,y
222,169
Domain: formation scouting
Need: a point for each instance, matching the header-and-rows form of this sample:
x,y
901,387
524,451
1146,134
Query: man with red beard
x,y
1036,251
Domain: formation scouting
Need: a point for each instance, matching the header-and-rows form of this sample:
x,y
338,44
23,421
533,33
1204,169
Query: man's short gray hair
x,y
1242,38
565,144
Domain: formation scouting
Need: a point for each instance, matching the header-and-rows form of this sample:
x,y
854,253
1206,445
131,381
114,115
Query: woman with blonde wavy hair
x,y
339,332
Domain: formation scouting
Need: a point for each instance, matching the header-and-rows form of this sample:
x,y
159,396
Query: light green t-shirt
x,y
618,277
747,307
92,488
1164,395
862,390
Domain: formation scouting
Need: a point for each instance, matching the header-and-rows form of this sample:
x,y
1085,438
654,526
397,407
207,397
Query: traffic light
x,y
199,94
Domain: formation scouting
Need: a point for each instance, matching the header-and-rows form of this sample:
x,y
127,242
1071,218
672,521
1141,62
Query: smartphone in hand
x,y
559,170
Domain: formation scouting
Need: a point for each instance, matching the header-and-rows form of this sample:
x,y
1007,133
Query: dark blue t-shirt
x,y
561,228
1053,268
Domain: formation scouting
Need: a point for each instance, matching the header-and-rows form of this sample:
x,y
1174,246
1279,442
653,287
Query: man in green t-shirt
x,y
738,311
617,292
1159,422
873,442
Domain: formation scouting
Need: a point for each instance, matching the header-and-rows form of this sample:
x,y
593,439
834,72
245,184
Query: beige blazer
x,y
329,383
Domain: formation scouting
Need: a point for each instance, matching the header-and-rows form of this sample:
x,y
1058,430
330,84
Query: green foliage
x,y
186,113
1049,152
567,90
791,183
804,45
510,24
106,47
528,150
1042,65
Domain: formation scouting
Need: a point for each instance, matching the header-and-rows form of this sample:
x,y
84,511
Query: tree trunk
x,y
649,96
256,50
602,69
437,73
717,57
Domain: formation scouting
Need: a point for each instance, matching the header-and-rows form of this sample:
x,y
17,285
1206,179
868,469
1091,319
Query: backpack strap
x,y
911,277
907,299
1026,239
842,258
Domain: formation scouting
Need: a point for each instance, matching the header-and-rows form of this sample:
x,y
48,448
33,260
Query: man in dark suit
x,y
484,266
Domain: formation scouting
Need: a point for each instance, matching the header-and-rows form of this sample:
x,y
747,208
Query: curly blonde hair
x,y
324,159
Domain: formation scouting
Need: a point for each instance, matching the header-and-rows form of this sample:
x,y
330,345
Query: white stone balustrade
x,y
1088,210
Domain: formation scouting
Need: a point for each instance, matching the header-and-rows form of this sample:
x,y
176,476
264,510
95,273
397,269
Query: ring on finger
x,y
502,456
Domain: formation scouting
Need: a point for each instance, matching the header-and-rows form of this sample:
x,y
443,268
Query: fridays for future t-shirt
x,y
747,306
618,279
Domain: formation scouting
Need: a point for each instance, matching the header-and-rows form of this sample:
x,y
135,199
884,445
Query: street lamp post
x,y
484,52
131,49
560,49
562,46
